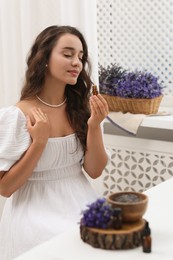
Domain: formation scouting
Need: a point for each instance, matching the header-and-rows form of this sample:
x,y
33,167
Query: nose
x,y
76,61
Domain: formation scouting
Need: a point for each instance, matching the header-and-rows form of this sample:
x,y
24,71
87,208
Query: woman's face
x,y
65,63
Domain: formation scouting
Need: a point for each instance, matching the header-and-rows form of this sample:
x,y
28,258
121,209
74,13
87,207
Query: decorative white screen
x,y
135,170
137,34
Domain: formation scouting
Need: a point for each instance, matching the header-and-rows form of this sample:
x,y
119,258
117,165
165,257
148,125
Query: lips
x,y
74,73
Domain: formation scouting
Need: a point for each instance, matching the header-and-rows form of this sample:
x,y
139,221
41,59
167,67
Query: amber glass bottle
x,y
94,90
146,238
117,218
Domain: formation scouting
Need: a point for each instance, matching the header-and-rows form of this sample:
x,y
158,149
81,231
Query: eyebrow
x,y
71,49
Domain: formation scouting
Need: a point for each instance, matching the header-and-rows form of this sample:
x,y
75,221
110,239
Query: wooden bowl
x,y
133,204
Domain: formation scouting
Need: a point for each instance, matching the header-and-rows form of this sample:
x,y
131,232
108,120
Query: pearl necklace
x,y
49,105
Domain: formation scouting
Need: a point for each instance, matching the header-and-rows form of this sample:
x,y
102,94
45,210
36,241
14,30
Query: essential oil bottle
x,y
117,218
146,238
94,90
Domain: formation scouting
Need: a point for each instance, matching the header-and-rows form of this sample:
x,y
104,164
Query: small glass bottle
x,y
117,218
94,90
146,238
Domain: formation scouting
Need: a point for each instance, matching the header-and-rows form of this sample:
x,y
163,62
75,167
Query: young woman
x,y
46,141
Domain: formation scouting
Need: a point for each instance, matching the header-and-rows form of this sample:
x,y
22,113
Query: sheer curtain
x,y
21,21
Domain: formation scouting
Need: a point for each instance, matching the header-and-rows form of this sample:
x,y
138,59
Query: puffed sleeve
x,y
14,136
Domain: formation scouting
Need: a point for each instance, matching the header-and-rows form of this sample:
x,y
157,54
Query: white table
x,y
69,246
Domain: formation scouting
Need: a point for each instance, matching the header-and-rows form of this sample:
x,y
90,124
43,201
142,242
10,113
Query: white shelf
x,y
152,127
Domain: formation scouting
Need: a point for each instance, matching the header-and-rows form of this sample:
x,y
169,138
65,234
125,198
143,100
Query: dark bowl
x,y
133,204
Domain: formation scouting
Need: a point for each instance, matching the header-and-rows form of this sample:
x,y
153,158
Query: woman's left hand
x,y
99,110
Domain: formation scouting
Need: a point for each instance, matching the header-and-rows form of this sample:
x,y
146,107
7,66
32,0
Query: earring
x,y
46,66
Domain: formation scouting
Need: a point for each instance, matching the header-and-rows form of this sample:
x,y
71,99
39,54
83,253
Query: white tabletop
x,y
69,246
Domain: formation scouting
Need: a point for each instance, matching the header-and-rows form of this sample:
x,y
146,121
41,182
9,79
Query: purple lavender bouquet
x,y
115,81
109,78
139,85
98,214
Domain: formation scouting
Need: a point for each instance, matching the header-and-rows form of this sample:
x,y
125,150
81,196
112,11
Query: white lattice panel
x,y
135,170
137,34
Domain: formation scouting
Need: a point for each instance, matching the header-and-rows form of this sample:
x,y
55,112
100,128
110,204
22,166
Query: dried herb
x,y
98,214
116,81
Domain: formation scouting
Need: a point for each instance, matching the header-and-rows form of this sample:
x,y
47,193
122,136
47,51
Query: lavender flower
x,y
98,214
139,85
109,78
115,81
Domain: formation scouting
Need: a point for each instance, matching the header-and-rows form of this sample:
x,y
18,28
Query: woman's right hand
x,y
39,128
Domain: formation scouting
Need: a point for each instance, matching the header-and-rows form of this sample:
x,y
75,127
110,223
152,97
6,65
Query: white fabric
x,y
126,121
52,199
14,138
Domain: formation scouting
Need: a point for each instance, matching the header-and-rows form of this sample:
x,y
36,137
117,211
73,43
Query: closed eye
x,y
71,56
67,55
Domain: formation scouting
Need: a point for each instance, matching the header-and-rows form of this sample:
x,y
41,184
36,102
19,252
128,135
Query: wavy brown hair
x,y
77,95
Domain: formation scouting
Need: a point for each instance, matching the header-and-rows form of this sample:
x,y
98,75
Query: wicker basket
x,y
133,105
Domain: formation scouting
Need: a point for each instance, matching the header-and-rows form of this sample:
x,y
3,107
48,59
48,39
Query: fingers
x,y
39,115
99,105
38,125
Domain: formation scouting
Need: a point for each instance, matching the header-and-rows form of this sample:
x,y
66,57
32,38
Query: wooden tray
x,y
127,237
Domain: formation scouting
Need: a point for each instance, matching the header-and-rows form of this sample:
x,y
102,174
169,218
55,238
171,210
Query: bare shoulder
x,y
26,106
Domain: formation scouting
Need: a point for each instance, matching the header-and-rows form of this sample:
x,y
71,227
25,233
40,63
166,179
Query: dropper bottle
x,y
146,238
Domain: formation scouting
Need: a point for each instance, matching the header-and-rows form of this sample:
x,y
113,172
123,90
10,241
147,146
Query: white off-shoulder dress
x,y
51,200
